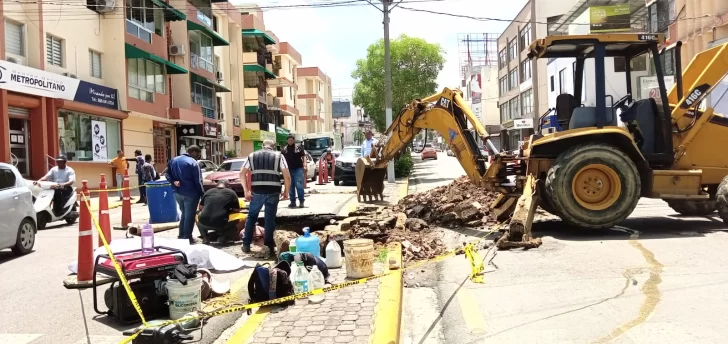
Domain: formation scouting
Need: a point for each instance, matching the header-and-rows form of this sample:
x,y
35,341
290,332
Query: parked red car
x,y
429,153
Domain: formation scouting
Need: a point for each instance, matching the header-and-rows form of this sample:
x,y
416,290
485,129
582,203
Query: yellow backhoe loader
x,y
608,153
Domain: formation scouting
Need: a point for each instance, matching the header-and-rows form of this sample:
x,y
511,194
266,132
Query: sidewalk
x,y
348,315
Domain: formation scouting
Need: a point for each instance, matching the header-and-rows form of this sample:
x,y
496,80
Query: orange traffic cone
x,y
85,239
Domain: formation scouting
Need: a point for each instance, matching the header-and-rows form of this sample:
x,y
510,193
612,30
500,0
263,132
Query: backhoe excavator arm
x,y
445,113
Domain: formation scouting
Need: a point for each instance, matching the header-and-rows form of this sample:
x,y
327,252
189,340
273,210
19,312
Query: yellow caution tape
x,y
469,250
117,267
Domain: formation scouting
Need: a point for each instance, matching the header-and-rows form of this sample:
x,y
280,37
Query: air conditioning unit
x,y
219,76
15,60
177,50
236,121
101,6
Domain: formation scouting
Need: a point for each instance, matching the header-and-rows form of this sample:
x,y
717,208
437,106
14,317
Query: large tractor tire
x,y
545,203
593,186
692,208
721,200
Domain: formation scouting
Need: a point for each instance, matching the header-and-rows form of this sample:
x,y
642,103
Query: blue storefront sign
x,y
97,95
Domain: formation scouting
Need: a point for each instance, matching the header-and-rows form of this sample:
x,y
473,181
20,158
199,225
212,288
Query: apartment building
x,y
314,101
522,95
63,90
285,86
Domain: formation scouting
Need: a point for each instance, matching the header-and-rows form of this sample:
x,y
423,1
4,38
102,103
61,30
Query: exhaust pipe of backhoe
x,y
369,180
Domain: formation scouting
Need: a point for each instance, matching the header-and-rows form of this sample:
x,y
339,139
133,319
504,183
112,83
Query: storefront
x,y
252,139
164,135
46,114
201,135
517,130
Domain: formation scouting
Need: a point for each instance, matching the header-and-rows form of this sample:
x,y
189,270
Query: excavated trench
x,y
296,223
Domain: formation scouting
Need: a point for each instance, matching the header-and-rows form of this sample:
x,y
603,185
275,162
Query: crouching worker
x,y
215,207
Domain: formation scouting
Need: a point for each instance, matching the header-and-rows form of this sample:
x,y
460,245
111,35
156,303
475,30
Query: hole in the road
x,y
297,223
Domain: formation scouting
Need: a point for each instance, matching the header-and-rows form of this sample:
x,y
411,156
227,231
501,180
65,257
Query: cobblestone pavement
x,y
345,316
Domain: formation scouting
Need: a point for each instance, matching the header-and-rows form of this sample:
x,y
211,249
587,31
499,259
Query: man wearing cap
x,y
64,176
296,160
366,147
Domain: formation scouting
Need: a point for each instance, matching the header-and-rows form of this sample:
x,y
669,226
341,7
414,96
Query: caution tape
x,y
116,264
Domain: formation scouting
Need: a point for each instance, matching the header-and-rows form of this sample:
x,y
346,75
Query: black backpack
x,y
268,283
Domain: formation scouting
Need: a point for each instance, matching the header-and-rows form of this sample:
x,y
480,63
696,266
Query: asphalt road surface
x,y
657,278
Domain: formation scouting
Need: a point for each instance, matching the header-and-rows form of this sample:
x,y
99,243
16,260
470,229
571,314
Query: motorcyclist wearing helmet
x,y
64,176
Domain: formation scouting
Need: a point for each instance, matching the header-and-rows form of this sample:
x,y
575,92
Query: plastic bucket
x,y
184,298
359,260
161,203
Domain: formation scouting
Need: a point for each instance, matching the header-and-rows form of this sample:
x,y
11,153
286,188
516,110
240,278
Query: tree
x,y
358,136
415,66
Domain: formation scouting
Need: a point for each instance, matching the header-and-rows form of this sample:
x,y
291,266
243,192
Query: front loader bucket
x,y
369,180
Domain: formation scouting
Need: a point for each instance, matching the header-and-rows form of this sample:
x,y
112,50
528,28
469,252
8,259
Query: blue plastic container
x,y
161,203
308,243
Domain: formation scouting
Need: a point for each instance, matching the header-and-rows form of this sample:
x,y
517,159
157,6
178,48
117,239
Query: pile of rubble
x,y
381,224
458,203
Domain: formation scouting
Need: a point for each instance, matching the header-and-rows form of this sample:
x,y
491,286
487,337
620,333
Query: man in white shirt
x,y
65,176
366,147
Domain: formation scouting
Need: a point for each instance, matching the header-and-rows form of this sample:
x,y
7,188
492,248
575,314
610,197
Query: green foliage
x,y
415,66
359,136
403,165
231,153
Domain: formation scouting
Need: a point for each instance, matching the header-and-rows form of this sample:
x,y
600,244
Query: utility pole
x,y
387,82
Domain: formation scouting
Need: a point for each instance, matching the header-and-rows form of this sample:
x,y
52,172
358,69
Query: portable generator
x,y
144,272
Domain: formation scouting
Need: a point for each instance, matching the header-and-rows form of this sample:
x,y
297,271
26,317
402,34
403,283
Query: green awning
x,y
251,109
282,135
133,52
170,13
203,80
257,33
216,39
259,68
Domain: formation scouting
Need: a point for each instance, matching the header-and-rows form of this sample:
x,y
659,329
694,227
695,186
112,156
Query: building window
x,y
524,37
145,79
75,136
143,19
201,51
512,50
205,97
14,38
562,81
527,102
552,83
515,109
525,70
503,85
214,24
54,50
502,62
94,63
637,64
504,112
513,78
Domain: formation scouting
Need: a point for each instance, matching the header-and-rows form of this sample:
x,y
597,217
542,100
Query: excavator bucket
x,y
369,180
519,228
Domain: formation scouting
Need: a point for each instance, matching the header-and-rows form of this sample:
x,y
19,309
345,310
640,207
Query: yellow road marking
x,y
246,332
474,319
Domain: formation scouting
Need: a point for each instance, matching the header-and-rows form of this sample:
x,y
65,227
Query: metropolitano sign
x,y
23,79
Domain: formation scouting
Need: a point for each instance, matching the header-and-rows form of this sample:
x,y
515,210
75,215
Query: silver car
x,y
18,227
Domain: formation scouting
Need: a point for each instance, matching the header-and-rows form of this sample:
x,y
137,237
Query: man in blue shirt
x,y
366,147
185,176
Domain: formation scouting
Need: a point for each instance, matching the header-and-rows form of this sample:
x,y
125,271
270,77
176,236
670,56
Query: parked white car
x,y
18,225
310,168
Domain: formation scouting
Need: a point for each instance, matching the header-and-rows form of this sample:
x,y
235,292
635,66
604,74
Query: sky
x,y
333,39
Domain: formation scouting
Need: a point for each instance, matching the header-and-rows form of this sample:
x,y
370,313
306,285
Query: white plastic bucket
x,y
359,259
184,298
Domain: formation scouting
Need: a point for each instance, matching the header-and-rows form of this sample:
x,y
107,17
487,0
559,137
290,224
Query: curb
x,y
387,331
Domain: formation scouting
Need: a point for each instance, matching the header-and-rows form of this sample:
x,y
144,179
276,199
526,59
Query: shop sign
x,y
523,123
256,135
210,130
98,140
614,18
23,79
650,89
189,130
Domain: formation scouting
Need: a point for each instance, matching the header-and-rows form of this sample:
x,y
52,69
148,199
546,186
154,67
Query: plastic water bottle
x,y
316,281
147,239
333,254
300,278
308,243
292,245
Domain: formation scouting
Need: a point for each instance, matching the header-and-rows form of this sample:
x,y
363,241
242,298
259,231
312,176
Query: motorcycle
x,y
43,193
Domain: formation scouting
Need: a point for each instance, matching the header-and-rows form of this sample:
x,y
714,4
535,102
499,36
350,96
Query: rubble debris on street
x,y
459,203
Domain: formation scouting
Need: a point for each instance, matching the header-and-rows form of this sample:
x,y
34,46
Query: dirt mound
x,y
458,203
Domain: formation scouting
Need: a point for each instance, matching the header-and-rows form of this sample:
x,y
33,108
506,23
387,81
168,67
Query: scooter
x,y
43,193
